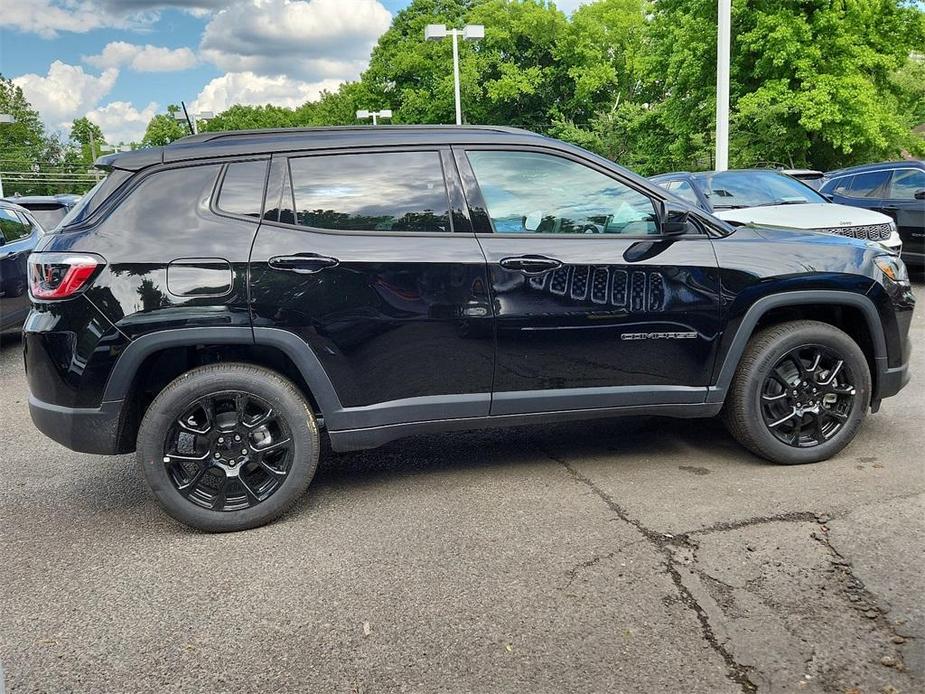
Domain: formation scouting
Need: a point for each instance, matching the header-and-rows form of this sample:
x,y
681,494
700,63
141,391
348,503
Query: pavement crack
x,y
793,517
663,543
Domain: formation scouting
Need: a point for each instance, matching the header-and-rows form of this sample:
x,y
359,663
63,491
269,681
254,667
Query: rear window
x,y
242,188
49,216
95,197
392,191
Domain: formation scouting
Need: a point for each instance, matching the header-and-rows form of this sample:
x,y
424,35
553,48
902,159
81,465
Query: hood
x,y
817,215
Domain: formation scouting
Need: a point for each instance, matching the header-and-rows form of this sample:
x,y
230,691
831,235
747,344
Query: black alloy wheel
x,y
228,451
807,396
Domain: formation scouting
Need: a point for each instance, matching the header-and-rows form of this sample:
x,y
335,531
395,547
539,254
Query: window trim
x,y
474,195
397,149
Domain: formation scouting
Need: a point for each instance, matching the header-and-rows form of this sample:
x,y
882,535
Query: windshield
x,y
50,216
731,189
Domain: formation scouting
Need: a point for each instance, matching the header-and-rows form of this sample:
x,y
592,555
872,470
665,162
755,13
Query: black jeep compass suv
x,y
220,303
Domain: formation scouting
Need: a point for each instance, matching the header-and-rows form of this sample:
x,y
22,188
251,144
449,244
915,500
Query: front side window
x,y
534,193
12,227
906,183
867,185
389,191
242,188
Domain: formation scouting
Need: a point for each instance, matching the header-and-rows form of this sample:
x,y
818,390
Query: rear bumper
x,y
85,430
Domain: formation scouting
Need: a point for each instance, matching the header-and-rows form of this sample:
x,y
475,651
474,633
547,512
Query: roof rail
x,y
224,134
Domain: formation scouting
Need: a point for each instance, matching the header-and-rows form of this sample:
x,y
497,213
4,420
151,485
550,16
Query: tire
x,y
245,480
757,399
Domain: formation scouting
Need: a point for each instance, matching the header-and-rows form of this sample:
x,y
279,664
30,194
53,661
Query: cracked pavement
x,y
632,555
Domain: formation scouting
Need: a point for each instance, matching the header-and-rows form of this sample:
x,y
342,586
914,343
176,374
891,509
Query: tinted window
x,y
906,183
730,189
867,185
11,226
401,191
242,188
528,192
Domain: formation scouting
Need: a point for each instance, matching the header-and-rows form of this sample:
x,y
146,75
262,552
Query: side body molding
x,y
717,392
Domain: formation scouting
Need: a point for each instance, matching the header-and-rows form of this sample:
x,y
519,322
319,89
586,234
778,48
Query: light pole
x,y
192,118
470,32
5,118
375,115
722,84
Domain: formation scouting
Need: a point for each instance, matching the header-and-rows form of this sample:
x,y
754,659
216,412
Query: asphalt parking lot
x,y
642,555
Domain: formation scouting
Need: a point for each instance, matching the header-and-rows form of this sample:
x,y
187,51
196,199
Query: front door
x,y
594,307
359,259
907,210
17,239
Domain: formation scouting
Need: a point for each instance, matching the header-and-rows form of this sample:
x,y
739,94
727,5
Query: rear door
x,y
362,260
594,308
866,189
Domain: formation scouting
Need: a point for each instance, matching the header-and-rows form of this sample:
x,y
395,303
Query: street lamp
x,y
5,118
470,32
375,115
193,117
722,84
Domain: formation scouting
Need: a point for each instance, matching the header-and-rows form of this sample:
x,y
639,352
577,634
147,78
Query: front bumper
x,y
891,381
85,430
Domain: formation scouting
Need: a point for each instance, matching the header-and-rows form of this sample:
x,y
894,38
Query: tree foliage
x,y
819,83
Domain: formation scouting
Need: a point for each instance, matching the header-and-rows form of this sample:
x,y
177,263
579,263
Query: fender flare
x,y
717,392
123,374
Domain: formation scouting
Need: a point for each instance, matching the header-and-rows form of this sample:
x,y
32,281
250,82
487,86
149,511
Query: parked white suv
x,y
771,198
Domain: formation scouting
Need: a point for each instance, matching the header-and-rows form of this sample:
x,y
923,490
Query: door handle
x,y
530,264
303,264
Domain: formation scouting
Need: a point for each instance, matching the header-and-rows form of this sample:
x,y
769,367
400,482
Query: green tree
x,y
164,128
87,138
240,117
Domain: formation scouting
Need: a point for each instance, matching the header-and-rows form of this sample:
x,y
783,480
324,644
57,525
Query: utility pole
x,y
723,40
363,114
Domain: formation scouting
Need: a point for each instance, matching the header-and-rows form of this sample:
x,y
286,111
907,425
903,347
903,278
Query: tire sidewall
x,y
846,349
278,393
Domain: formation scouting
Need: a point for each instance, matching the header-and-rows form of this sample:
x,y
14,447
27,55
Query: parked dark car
x,y
219,304
49,210
19,234
895,188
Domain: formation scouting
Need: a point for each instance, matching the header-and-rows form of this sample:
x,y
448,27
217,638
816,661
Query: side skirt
x,y
371,437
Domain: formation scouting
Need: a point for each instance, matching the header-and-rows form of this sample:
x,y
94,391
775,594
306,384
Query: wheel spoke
x,y
218,502
797,362
772,398
834,372
262,419
189,487
819,436
780,421
275,446
272,470
797,432
834,414
252,497
775,374
815,365
189,458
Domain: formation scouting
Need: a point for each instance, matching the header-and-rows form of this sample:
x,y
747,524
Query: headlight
x,y
893,268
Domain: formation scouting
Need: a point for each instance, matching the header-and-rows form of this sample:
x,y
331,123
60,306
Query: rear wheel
x,y
800,394
228,447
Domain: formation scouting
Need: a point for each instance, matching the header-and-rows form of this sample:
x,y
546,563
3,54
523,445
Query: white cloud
x,y
49,17
310,40
145,58
121,122
257,90
66,92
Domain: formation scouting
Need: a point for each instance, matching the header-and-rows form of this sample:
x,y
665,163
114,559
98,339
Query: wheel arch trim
x,y
717,392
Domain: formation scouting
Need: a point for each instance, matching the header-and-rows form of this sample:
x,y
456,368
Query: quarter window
x,y
906,183
12,227
242,188
390,191
533,193
685,190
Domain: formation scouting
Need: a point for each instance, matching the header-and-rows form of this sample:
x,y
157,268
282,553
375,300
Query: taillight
x,y
54,276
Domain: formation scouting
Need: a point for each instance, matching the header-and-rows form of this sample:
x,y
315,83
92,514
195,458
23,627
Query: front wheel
x,y
228,447
800,393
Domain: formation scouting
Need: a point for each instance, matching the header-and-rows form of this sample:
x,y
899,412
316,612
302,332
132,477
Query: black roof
x,y
877,166
244,142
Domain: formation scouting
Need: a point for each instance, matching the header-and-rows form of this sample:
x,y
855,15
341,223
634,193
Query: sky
x,y
120,62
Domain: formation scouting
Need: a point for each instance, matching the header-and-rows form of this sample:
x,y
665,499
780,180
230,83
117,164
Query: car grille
x,y
869,232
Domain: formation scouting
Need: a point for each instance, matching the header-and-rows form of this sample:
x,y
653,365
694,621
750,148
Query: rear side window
x,y
242,188
391,191
906,183
684,190
867,185
12,227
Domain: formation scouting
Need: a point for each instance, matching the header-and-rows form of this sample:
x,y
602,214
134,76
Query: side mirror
x,y
675,220
920,194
